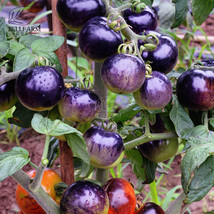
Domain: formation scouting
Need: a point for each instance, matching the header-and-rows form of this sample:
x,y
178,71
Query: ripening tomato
x,y
26,203
121,196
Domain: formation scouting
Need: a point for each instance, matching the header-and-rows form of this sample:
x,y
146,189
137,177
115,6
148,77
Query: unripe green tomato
x,y
159,150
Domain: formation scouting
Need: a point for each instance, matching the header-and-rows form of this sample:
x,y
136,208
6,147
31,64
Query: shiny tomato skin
x,y
26,203
75,13
121,196
155,93
105,148
40,88
165,56
145,20
159,150
84,197
36,7
97,41
123,73
7,95
79,105
195,89
150,208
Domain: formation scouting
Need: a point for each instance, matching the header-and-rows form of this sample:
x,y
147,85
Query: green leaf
x,y
212,122
201,9
2,30
15,47
142,167
78,146
202,182
23,60
53,151
4,48
166,14
180,118
201,147
181,9
44,125
12,161
81,62
127,113
52,57
21,116
27,40
147,2
169,197
47,44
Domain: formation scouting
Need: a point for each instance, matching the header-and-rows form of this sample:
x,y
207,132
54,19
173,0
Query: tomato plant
x,y
139,62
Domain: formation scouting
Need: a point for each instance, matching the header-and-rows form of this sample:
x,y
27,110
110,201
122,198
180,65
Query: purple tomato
x,y
155,93
145,20
165,56
7,95
97,40
75,13
84,197
195,89
79,105
105,148
123,73
40,88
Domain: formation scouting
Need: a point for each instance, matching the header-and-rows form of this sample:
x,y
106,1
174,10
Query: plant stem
x,y
100,89
206,121
43,199
147,128
5,77
148,137
154,192
125,6
102,175
33,165
40,170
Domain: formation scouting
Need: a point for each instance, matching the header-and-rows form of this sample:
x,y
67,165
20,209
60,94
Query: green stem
x,y
125,6
146,138
5,77
43,199
102,175
33,165
147,128
206,120
40,170
100,89
154,193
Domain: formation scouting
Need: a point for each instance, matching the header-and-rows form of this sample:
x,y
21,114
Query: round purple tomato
x,y
75,13
145,20
7,95
165,56
123,73
105,148
79,105
40,88
84,197
155,93
195,89
97,41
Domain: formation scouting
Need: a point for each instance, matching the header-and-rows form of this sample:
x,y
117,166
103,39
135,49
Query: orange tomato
x,y
26,203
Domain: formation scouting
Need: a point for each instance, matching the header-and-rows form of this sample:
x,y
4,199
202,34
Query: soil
x,y
34,143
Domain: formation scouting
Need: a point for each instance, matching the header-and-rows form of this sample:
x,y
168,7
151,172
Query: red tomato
x,y
121,196
27,203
